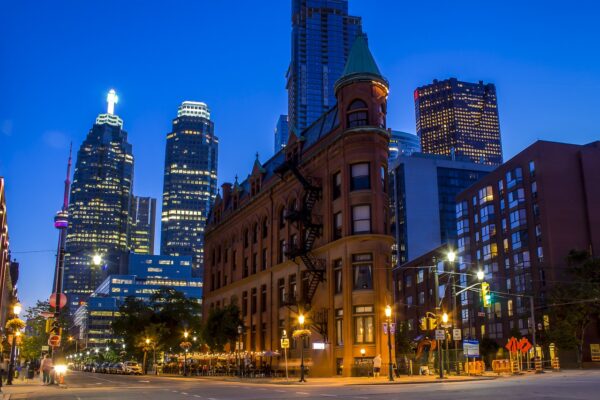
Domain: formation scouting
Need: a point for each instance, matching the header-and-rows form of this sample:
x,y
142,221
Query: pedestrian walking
x,y
46,366
377,366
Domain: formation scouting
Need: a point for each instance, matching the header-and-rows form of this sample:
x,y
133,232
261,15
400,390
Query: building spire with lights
x,y
110,117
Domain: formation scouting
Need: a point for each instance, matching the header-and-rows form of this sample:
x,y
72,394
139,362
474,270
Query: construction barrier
x,y
538,365
515,367
555,364
476,367
500,366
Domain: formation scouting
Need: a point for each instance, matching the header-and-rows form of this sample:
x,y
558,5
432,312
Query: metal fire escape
x,y
310,227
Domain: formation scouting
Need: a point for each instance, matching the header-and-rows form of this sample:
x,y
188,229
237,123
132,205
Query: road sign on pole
x,y
456,334
54,340
440,334
471,348
285,343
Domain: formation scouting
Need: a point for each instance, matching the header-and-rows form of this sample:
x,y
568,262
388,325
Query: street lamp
x,y
239,348
145,356
13,350
480,275
185,335
97,259
451,256
301,323
388,316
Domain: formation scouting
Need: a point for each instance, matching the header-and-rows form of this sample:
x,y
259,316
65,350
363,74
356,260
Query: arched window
x,y
281,217
255,233
265,228
357,114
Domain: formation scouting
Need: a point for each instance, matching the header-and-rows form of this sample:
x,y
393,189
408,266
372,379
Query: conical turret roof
x,y
360,63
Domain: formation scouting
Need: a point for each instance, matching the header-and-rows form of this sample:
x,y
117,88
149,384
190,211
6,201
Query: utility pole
x,y
436,284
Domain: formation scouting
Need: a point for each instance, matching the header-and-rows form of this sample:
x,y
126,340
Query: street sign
x,y
440,334
318,346
393,328
456,334
595,350
45,348
471,348
54,340
285,343
62,300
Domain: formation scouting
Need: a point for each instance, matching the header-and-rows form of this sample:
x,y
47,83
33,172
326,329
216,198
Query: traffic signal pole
x,y
436,283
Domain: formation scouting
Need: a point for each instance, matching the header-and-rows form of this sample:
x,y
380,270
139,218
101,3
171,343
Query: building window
x,y
362,266
244,303
281,291
408,281
245,272
357,114
253,301
281,218
337,225
265,228
233,260
337,185
540,254
264,260
360,176
383,176
420,276
532,168
339,327
514,177
361,219
263,298
337,276
255,233
254,262
293,287
516,197
486,195
281,255
364,326
421,298
534,191
246,238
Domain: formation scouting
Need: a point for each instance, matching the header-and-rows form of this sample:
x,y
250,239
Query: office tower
x,y
146,275
403,144
281,133
312,234
98,231
322,34
459,118
423,188
518,224
190,183
7,285
143,223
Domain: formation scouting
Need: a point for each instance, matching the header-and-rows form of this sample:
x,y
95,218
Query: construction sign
x,y
514,346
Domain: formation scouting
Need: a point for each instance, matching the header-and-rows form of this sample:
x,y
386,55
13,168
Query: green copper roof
x,y
360,60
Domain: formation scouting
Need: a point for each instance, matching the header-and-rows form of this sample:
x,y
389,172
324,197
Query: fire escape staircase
x,y
312,228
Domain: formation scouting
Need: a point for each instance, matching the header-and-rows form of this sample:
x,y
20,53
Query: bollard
x,y
555,364
538,365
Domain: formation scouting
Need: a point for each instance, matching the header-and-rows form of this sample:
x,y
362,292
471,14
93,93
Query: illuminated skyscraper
x,y
190,183
99,207
281,133
143,224
459,119
322,34
403,144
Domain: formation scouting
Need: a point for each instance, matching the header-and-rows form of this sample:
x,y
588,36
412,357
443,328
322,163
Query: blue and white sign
x,y
471,348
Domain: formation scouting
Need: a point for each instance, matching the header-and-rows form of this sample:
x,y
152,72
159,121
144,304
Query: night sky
x,y
59,58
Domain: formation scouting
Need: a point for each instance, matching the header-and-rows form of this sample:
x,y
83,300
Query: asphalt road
x,y
562,385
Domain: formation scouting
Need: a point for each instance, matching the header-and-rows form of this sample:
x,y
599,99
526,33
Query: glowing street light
x,y
451,256
445,318
388,316
480,275
301,323
97,259
17,308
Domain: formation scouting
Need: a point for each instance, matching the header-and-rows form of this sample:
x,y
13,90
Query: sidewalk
x,y
20,388
382,380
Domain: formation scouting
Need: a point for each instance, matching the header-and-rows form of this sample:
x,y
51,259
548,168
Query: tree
x,y
574,303
221,327
35,335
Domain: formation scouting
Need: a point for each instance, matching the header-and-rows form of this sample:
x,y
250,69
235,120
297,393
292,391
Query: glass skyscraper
x,y
143,224
403,144
99,206
457,118
322,34
190,183
281,133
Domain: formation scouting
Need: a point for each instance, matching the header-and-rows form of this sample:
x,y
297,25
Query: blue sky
x,y
58,59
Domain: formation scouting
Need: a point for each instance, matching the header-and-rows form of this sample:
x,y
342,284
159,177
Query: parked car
x,y
114,368
104,367
132,368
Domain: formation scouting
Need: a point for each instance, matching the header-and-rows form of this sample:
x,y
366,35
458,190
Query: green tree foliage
x,y
404,343
162,320
35,336
221,327
574,303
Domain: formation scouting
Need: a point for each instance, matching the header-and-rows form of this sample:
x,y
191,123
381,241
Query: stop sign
x,y
54,340
62,300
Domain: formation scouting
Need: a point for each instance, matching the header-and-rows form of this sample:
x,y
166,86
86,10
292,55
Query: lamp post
x,y
301,323
388,316
239,350
145,354
362,360
11,367
185,335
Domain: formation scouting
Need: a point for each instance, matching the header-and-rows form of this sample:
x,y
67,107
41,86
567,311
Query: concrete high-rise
x,y
190,183
459,118
322,34
143,224
99,207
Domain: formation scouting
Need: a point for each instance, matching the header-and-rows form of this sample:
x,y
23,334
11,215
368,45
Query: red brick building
x,y
307,232
518,224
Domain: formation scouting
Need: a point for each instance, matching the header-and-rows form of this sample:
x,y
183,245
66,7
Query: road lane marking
x,y
280,391
144,381
328,395
198,396
306,393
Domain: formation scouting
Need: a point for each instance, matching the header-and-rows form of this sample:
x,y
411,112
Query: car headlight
x,y
60,369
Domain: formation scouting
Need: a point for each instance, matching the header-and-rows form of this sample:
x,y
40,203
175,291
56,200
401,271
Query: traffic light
x,y
485,294
427,324
56,329
49,323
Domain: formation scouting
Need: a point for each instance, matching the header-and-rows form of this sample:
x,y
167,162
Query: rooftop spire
x,y
111,99
68,180
360,63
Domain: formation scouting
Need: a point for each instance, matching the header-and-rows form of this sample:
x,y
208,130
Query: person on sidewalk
x,y
377,366
46,367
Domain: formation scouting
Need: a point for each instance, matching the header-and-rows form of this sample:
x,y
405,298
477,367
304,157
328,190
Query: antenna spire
x,y
68,180
112,99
